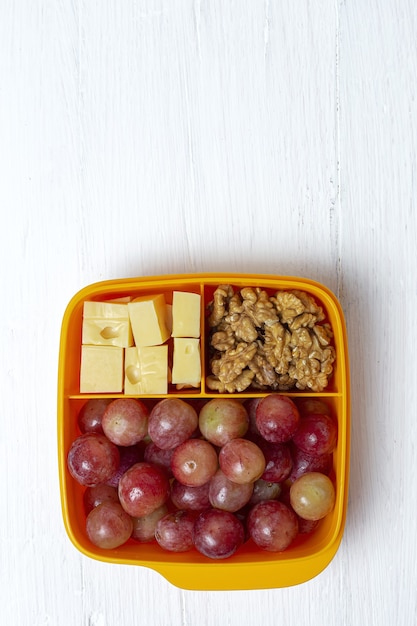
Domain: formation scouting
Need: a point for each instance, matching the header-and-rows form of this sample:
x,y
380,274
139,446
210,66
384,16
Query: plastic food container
x,y
249,568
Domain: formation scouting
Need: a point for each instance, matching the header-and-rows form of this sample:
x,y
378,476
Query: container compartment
x,y
103,292
321,297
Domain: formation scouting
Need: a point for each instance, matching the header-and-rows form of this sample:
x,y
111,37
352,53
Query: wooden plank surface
x,y
154,137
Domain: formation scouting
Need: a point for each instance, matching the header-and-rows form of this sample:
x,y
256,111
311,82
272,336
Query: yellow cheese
x,y
107,333
168,317
105,310
132,371
146,370
106,324
121,299
185,314
148,320
101,369
186,365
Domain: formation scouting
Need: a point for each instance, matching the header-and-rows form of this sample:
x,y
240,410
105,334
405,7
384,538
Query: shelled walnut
x,y
268,342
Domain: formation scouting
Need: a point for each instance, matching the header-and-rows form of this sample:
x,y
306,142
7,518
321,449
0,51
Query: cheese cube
x,y
107,333
106,324
105,310
121,299
148,320
101,369
186,365
168,317
146,370
186,314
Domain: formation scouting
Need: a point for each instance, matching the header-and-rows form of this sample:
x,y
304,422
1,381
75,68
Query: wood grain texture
x,y
155,136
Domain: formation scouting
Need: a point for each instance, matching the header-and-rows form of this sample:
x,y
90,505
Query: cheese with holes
x,y
101,369
146,370
148,317
186,364
186,314
106,324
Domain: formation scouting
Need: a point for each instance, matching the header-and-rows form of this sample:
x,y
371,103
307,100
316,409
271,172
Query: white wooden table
x,y
151,137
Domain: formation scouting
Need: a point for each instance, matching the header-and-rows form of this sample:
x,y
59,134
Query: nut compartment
x,y
265,341
249,568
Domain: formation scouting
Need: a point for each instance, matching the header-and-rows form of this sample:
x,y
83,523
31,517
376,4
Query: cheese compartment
x,y
249,568
124,332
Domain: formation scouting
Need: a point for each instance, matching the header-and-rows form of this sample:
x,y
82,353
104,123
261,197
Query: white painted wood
x,y
147,137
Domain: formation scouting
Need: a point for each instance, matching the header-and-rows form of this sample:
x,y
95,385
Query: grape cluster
x,y
204,474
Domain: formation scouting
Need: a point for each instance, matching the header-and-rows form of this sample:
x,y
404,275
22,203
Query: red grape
x,y
272,525
223,419
92,459
93,496
91,415
125,421
306,406
264,490
277,418
303,462
171,422
174,531
194,462
278,460
312,496
157,456
316,434
190,498
129,455
242,461
143,488
144,526
250,406
304,526
227,495
108,525
218,534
